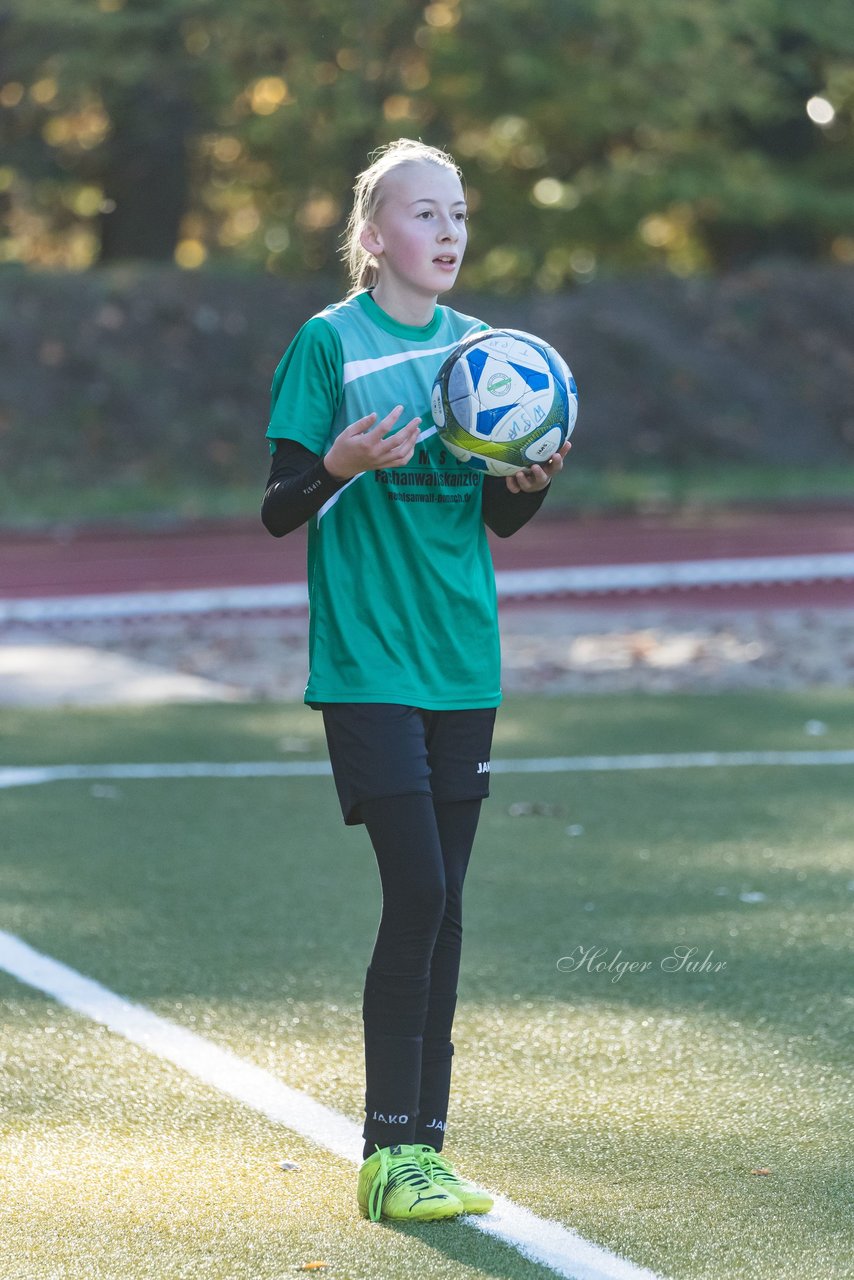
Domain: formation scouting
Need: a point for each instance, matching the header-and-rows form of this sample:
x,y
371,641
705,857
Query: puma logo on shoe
x,y
421,1198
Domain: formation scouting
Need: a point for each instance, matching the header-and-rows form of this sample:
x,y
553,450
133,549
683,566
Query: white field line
x,y
511,585
539,1239
141,604
32,775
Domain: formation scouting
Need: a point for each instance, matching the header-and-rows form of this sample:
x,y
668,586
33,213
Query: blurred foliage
x,y
596,135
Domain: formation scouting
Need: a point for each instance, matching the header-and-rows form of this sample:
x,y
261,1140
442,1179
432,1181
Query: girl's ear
x,y
370,240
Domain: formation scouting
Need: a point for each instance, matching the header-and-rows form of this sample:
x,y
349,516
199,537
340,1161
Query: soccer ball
x,y
504,400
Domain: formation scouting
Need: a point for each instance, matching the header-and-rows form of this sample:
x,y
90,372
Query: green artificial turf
x,y
633,1107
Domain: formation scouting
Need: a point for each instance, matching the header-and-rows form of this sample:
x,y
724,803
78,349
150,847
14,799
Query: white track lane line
x,y
32,775
539,1239
516,584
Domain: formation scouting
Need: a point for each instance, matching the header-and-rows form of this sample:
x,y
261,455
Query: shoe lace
x,y
432,1163
394,1171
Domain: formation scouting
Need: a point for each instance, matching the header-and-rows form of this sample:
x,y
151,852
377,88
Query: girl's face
x,y
418,233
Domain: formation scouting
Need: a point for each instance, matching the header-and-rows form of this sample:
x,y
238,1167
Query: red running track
x,y
241,553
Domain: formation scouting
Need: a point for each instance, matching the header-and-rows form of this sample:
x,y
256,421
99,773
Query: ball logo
x,y
499,384
436,407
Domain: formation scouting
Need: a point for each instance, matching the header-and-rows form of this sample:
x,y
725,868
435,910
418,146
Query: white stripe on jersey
x,y
330,502
354,369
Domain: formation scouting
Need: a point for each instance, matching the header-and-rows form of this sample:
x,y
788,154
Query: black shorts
x,y
387,749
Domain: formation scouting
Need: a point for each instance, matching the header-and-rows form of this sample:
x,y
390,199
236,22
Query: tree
x,y
594,134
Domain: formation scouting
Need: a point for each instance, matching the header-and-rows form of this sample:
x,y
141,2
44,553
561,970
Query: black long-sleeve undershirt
x,y
297,487
299,484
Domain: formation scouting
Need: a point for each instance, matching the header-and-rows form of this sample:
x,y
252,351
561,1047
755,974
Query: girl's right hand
x,y
365,446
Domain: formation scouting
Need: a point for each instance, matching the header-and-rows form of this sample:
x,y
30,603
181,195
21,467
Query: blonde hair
x,y
362,266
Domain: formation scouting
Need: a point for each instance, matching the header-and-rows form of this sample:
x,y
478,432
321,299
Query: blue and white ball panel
x,y
488,370
548,444
515,420
564,373
487,391
460,383
565,385
502,387
437,408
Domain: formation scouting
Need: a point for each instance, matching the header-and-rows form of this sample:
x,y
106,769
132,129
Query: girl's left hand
x,y
532,479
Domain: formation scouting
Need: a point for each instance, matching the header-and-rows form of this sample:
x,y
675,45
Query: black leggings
x,y
422,847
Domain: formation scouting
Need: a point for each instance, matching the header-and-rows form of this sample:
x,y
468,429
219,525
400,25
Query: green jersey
x,y
402,600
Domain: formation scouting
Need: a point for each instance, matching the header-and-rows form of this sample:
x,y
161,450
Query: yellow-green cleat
x,y
441,1172
393,1185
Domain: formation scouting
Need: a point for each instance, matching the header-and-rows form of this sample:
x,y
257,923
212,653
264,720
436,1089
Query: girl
x,y
403,636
